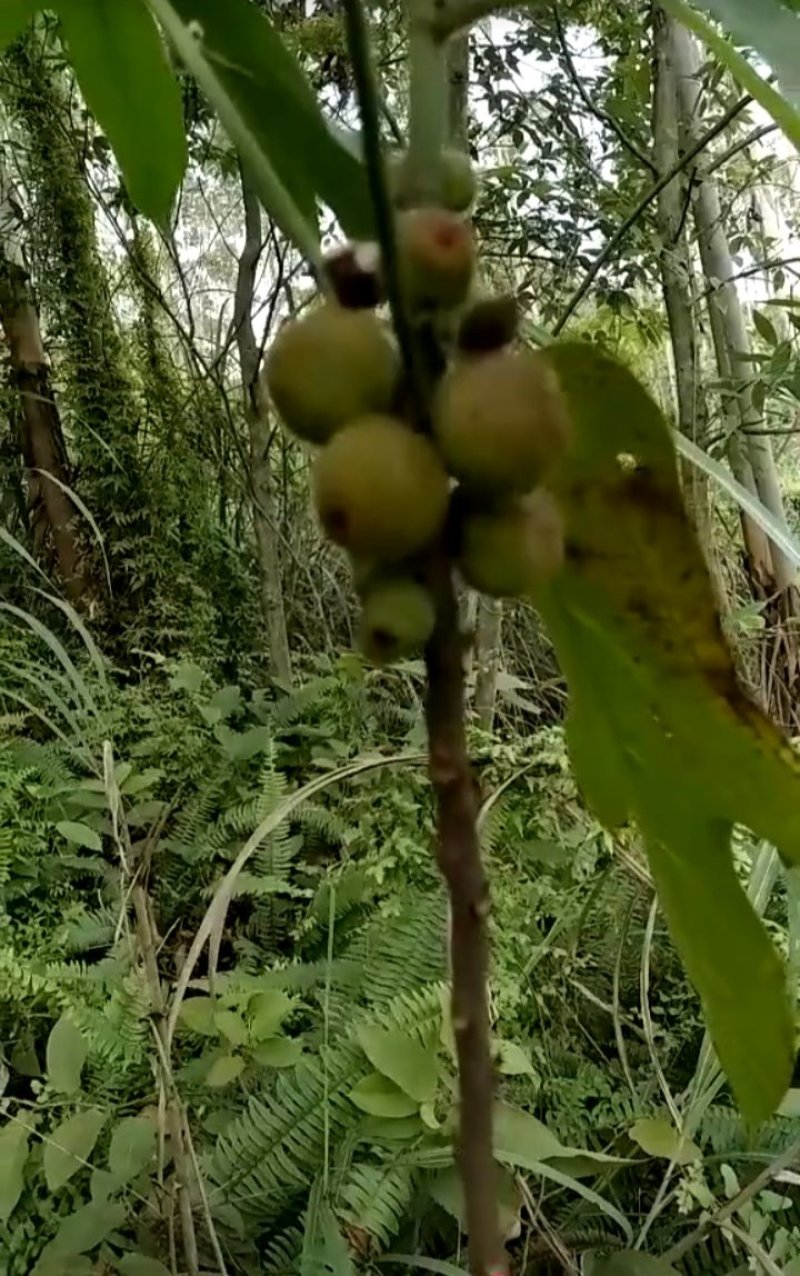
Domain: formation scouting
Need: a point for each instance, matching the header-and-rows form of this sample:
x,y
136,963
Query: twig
x,y
616,239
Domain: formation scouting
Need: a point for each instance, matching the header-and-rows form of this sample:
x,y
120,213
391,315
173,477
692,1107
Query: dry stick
x,y
458,849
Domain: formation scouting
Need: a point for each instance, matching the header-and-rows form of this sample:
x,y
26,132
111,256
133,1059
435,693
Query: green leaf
x,y
70,1146
13,1155
198,1013
517,1133
130,89
657,1136
133,1143
380,1097
512,1060
765,328
773,102
139,1265
658,728
66,1055
265,102
231,1026
633,1264
14,15
80,835
281,1052
268,1011
225,1070
84,1229
398,1056
769,28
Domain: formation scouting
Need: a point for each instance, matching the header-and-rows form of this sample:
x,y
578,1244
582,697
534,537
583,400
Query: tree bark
x,y
728,321
261,483
51,512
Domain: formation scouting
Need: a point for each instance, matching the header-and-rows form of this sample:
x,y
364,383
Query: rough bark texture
x,y
51,512
261,485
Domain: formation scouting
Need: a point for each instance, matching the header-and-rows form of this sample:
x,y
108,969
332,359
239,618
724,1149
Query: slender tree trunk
x,y
51,511
728,320
261,484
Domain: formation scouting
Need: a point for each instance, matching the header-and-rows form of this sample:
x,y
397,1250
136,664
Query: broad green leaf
x,y
268,1011
631,1263
51,1264
225,1070
84,1229
512,1060
517,1133
657,1136
790,1105
198,1013
380,1097
266,103
280,1052
658,729
773,102
325,1251
70,1146
13,1155
80,835
133,1143
66,1055
402,1059
765,328
140,1265
130,89
231,1026
446,1189
14,16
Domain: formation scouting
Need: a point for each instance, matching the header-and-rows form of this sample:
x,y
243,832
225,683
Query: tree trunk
x,y
728,320
261,485
51,512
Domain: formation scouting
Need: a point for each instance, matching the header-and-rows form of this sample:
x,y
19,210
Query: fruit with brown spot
x,y
380,489
436,249
397,619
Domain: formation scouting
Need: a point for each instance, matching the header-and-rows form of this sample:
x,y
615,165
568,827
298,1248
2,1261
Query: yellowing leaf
x,y
225,1070
70,1145
658,729
13,1155
402,1059
66,1055
658,1137
380,1097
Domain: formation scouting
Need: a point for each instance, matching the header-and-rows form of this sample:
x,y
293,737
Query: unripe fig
x,y
500,420
510,551
457,183
380,489
329,367
397,619
436,249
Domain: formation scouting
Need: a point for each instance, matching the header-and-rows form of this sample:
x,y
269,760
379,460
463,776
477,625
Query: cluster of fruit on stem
x,y
388,486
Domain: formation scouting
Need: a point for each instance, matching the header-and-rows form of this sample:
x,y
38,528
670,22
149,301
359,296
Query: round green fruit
x,y
509,552
380,489
436,249
457,185
500,421
331,366
397,619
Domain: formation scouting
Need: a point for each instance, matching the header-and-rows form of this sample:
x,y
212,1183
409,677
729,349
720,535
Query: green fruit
x,y
397,619
329,367
500,421
489,324
436,250
380,489
509,552
457,183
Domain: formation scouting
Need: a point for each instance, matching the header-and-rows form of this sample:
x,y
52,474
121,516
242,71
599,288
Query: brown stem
x,y
459,859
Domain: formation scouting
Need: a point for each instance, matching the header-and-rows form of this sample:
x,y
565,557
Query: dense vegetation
x,y
226,1037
